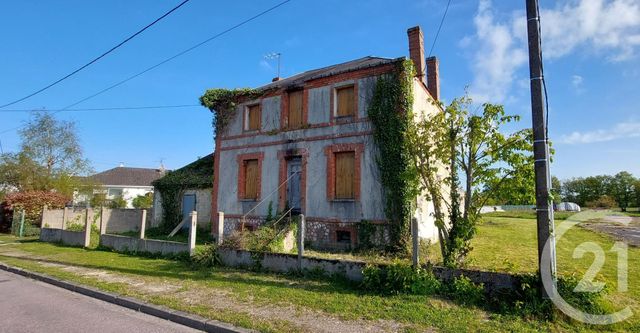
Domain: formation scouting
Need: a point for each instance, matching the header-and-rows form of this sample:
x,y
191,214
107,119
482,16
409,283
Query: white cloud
x,y
606,27
577,83
619,131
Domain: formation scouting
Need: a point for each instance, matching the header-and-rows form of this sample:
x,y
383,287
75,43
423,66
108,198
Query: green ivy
x,y
197,175
390,112
223,103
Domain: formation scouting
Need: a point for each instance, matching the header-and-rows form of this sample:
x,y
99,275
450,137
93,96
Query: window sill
x,y
248,200
343,200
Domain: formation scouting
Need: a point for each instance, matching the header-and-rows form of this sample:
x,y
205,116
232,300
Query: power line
x,y
179,54
106,108
164,61
97,58
439,27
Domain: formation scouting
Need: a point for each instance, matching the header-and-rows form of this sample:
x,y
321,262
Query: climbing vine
x,y
223,102
197,175
390,112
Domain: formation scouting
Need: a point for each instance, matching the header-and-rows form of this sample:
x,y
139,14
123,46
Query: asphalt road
x,y
31,306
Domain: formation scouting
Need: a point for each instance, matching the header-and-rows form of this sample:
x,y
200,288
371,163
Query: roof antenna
x,y
162,169
274,55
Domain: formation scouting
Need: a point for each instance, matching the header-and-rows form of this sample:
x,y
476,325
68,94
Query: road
x,y
31,306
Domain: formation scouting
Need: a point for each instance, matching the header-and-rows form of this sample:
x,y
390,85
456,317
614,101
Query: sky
x,y
591,51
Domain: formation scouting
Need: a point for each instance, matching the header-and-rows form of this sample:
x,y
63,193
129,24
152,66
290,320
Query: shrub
x,y
143,201
118,202
605,202
32,202
464,291
206,256
399,278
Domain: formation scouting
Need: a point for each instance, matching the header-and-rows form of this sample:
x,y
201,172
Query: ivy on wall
x,y
196,175
390,112
223,103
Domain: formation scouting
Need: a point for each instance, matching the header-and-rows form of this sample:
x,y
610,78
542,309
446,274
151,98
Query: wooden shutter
x,y
251,173
345,164
295,109
346,102
253,113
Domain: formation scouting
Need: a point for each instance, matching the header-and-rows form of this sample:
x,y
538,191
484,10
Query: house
x,y
307,145
126,182
190,187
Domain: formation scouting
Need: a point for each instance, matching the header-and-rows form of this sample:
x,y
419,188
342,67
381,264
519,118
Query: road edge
x,y
176,316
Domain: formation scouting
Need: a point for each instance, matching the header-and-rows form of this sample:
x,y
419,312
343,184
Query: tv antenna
x,y
274,55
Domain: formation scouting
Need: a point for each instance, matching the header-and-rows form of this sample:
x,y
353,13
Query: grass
x,y
203,236
526,214
502,244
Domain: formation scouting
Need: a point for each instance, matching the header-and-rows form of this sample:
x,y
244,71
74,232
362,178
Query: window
x,y
345,171
295,109
345,102
343,236
252,121
251,180
114,192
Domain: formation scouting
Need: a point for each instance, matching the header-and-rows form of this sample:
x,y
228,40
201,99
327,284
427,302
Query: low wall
x,y
116,220
283,263
131,244
73,238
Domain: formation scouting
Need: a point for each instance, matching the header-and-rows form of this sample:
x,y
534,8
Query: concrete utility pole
x,y
544,206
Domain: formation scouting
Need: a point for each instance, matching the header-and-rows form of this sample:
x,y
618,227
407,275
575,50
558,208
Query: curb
x,y
183,318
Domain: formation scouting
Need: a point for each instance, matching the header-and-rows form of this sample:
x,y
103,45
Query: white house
x,y
126,182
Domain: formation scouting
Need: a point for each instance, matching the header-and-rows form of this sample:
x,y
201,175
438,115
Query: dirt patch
x,y
620,227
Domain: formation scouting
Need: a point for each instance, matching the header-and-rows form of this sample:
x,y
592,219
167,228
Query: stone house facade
x,y
307,145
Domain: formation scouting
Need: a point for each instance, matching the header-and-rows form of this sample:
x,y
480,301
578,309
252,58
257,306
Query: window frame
x,y
242,175
246,121
336,101
358,149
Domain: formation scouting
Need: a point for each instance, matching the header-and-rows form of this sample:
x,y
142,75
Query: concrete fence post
x,y
87,228
103,227
415,242
44,213
143,223
300,240
65,213
192,231
220,228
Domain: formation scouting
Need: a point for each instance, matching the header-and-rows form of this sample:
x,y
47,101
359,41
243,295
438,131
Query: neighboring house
x,y
127,183
308,145
193,182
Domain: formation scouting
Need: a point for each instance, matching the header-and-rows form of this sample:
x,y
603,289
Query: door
x,y
294,173
188,205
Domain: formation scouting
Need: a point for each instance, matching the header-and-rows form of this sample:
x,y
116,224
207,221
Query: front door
x,y
294,172
188,205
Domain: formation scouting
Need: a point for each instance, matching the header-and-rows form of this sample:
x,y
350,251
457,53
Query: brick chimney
x,y
275,79
416,50
433,77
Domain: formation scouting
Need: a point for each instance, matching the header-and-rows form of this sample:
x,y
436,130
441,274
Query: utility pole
x,y
544,206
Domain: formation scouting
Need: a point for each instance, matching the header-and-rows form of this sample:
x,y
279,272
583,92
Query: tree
x,y
143,201
50,158
622,189
636,189
458,139
589,189
556,189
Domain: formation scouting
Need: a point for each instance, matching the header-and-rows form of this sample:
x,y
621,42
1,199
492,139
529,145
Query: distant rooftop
x,y
125,176
349,66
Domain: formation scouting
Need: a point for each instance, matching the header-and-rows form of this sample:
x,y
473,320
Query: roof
x,y
197,174
124,176
350,66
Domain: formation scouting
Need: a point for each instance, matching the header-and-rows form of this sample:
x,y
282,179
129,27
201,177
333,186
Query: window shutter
x,y
251,179
295,109
253,114
346,105
345,164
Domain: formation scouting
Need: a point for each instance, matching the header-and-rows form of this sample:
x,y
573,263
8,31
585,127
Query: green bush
x,y
206,256
399,278
118,202
143,201
464,291
605,202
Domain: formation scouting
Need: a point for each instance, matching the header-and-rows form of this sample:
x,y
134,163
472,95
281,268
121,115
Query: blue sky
x,y
591,49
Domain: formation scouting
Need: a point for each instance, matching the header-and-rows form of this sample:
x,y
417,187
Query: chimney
x,y
277,78
433,77
416,50
121,164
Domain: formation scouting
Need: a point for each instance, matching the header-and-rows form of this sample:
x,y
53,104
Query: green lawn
x,y
286,303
